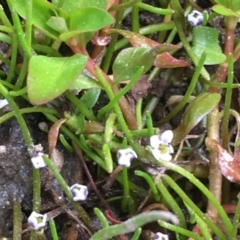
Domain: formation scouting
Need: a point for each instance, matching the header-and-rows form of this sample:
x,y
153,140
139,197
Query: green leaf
x,y
194,113
71,6
58,24
90,98
205,39
224,11
138,40
41,13
84,82
88,19
230,4
130,60
49,77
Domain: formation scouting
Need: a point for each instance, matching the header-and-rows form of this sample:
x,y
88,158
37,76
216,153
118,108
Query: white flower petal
x,y
167,136
79,192
155,141
37,221
3,103
195,18
125,156
161,236
170,149
38,161
161,156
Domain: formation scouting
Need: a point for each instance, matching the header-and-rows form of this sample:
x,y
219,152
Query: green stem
x,y
79,105
180,230
193,207
150,182
144,31
44,110
109,53
101,217
170,201
17,220
132,224
179,23
120,94
53,229
119,114
203,189
233,233
13,58
19,117
4,18
156,10
19,31
227,105
187,94
61,181
135,19
28,25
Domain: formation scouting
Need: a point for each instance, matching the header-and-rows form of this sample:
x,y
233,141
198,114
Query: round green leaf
x,y
70,5
49,77
205,39
84,82
88,19
130,60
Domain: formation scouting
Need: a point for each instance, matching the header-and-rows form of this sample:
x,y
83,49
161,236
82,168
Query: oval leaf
x,y
166,60
83,81
41,12
138,40
88,19
130,60
71,6
205,39
194,113
49,77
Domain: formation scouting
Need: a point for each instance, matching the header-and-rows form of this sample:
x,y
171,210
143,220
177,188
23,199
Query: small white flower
x,y
195,18
38,161
161,236
3,103
125,156
161,147
79,192
37,221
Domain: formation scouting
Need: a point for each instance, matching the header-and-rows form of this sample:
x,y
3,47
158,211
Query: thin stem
x,y
187,94
53,229
110,49
17,220
19,31
28,26
61,181
13,58
156,10
179,22
208,193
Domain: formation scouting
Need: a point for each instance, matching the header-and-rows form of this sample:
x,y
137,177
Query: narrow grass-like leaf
x,y
134,223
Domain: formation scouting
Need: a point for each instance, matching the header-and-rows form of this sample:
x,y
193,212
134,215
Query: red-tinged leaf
x,y
53,134
57,158
166,60
229,166
138,40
